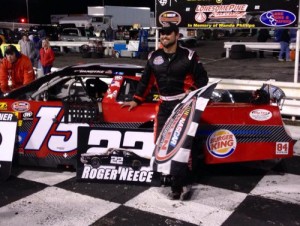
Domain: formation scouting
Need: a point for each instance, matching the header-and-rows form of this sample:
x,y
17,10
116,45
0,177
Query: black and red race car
x,y
234,127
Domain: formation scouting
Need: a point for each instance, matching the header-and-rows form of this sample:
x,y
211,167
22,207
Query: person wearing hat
x,y
175,71
16,70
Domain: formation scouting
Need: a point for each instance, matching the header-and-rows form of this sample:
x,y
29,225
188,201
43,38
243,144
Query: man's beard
x,y
169,44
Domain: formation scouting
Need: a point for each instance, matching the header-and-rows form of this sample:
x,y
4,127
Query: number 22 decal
x,y
116,160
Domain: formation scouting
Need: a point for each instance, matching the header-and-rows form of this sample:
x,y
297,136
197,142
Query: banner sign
x,y
173,147
8,128
116,156
227,14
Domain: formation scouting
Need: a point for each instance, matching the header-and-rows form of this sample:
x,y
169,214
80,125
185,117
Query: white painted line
x,y
55,206
208,205
279,187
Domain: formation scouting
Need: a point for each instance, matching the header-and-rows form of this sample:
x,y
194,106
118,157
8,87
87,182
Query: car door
x,y
49,120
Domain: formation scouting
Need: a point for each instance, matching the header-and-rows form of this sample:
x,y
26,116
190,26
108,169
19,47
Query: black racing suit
x,y
173,74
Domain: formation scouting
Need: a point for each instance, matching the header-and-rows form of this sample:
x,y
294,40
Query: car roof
x,y
105,69
101,70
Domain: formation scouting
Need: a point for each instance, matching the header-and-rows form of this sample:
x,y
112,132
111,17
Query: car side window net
x,y
128,89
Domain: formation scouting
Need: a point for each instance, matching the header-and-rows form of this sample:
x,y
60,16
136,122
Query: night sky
x,y
40,10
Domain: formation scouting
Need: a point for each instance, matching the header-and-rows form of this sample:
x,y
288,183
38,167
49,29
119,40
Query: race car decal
x,y
260,115
20,106
45,124
115,155
27,115
248,133
3,106
8,127
282,148
221,144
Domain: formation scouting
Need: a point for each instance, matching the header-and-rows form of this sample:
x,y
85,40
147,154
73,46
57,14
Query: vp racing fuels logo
x,y
221,144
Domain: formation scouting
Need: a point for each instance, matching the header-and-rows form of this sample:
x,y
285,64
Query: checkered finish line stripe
x,y
235,194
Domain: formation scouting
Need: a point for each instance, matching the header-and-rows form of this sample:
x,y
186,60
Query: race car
x,y
236,125
115,157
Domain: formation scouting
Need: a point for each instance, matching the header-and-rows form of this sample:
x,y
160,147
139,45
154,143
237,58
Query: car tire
x,y
95,162
136,165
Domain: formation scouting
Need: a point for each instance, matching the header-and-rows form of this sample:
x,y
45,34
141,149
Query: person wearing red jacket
x,y
47,56
15,70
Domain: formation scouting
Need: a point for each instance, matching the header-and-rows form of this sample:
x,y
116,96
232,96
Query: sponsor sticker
x,y
27,115
158,60
169,16
260,115
3,106
282,148
278,18
20,106
117,174
221,144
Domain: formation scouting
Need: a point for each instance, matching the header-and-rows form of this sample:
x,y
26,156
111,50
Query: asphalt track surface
x,y
257,193
211,54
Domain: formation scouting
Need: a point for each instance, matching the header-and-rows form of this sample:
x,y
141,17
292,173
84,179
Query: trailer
x,y
119,16
76,21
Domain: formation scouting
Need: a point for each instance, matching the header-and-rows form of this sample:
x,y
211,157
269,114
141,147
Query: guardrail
x,y
70,44
291,104
255,46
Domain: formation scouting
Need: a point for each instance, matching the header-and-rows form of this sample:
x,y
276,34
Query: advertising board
x,y
226,14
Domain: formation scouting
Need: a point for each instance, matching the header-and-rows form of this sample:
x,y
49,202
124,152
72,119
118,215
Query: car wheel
x,y
95,162
136,164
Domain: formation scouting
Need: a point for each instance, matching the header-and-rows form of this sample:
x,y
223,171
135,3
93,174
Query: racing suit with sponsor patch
x,y
19,73
173,74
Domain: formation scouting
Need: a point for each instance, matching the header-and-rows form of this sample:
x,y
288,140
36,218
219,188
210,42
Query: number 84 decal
x,y
282,148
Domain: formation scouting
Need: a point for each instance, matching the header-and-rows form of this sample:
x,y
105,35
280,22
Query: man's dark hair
x,y
11,49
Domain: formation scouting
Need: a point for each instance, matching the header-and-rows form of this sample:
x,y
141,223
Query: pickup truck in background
x,y
77,34
80,34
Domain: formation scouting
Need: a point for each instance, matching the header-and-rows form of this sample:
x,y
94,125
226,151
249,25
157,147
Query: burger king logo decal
x,y
221,144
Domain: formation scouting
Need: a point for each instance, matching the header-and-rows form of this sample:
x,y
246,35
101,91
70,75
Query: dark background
x,y
40,10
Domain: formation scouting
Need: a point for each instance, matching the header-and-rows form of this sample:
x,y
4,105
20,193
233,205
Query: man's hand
x,y
132,104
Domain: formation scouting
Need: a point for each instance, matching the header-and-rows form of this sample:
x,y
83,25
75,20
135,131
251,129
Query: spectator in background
x,y
37,43
263,36
27,48
1,55
16,70
47,56
284,45
109,33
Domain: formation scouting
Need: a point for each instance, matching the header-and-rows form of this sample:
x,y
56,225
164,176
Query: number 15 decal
x,y
58,141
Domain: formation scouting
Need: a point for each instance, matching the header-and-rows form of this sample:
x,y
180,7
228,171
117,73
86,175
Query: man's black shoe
x,y
174,195
186,193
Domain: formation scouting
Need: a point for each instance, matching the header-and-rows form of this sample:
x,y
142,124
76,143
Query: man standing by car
x,y
16,70
176,71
